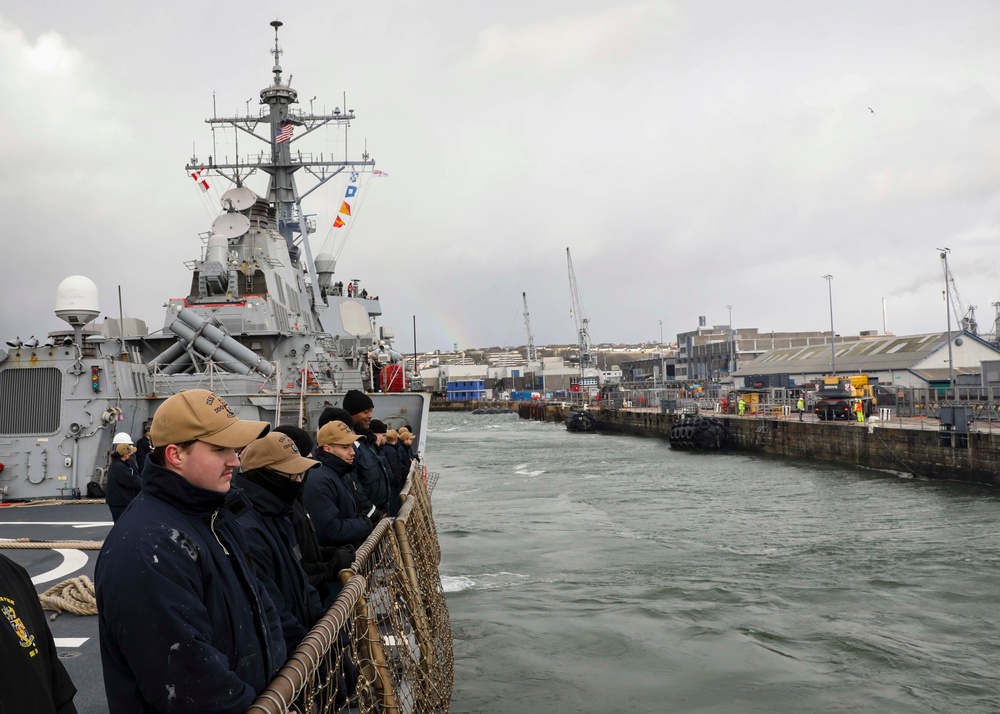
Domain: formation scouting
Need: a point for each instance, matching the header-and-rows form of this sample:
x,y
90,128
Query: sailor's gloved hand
x,y
338,558
315,571
335,560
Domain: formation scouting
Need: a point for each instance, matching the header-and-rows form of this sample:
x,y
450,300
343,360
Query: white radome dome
x,y
76,300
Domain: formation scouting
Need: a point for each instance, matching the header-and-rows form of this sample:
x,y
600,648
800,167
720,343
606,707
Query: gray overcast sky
x,y
691,155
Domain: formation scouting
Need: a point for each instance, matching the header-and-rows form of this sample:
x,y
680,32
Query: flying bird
x,y
871,110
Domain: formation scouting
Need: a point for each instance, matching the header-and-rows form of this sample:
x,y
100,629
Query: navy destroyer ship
x,y
262,322
268,325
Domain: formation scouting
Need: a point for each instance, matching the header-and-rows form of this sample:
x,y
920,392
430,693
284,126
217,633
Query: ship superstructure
x,y
263,322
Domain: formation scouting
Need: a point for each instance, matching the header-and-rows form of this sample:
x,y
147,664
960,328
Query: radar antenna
x,y
277,52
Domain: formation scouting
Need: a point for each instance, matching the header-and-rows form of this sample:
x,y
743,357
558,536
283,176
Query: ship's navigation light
x,y
95,378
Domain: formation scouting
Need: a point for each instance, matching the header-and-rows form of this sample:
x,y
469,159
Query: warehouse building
x,y
913,361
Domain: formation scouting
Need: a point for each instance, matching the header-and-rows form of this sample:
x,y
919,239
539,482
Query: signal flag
x,y
202,182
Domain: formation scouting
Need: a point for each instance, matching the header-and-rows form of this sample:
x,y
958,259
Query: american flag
x,y
285,132
377,172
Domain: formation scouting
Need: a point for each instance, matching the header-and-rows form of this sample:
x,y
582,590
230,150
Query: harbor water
x,y
598,573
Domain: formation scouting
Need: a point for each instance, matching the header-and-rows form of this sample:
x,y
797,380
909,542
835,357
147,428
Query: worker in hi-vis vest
x,y
742,406
859,410
801,406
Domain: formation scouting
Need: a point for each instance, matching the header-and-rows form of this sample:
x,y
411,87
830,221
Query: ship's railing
x,y
385,644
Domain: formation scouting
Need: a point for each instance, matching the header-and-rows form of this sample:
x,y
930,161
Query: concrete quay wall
x,y
540,411
916,451
442,405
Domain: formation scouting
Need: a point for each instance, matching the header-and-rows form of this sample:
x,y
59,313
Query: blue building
x,y
468,390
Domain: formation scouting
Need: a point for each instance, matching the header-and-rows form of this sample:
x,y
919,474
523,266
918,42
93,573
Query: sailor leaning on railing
x,y
185,625
210,579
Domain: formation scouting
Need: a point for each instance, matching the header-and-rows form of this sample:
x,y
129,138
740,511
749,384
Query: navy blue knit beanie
x,y
334,414
356,402
303,442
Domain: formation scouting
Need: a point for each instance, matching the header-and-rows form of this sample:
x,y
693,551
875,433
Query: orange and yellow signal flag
x,y
338,223
345,208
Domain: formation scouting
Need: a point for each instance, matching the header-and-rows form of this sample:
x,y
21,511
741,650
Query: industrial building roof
x,y
879,353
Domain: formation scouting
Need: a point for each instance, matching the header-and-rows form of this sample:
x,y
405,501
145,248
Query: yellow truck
x,y
837,395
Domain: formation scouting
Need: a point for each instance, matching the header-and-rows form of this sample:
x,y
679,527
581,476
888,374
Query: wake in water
x,y
486,581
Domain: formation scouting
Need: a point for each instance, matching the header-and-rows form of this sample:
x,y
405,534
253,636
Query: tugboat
x,y
262,321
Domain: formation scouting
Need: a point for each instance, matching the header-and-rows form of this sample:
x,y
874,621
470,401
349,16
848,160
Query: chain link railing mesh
x,y
385,645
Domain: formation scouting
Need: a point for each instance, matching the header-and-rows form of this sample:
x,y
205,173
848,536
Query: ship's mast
x,y
282,192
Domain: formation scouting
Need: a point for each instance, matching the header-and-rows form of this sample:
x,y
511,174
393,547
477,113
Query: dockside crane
x,y
966,317
582,333
995,335
532,353
533,363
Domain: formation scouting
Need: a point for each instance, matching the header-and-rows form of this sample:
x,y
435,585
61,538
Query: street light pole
x,y
663,372
654,379
833,351
732,344
947,302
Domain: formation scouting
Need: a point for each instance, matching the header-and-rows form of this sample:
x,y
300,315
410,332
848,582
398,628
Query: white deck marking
x,y
73,560
70,641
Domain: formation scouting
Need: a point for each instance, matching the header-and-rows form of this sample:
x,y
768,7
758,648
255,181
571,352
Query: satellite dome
x,y
325,263
76,300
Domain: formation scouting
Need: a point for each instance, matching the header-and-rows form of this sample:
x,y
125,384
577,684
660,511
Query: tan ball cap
x,y
125,450
275,451
201,415
337,432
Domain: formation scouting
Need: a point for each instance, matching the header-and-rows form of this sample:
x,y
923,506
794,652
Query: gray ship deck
x,y
75,636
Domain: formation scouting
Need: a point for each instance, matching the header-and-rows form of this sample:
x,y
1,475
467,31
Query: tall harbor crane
x,y
532,353
582,334
996,324
966,317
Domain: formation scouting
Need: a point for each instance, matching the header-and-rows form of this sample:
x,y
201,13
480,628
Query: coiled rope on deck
x,y
75,595
67,544
53,502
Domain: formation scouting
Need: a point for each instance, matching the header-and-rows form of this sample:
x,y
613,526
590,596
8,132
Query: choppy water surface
x,y
594,573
